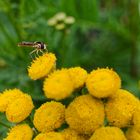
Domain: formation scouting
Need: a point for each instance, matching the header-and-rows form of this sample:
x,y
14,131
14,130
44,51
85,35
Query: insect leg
x,y
37,52
46,50
32,53
41,51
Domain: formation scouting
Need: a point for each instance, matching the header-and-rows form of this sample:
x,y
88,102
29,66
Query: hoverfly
x,y
38,46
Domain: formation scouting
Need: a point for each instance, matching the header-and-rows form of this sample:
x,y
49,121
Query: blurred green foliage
x,y
105,34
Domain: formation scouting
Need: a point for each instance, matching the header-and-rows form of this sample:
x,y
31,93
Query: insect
x,y
38,46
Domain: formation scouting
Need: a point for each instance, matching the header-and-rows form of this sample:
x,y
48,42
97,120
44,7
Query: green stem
x,y
5,125
30,121
133,24
35,130
62,49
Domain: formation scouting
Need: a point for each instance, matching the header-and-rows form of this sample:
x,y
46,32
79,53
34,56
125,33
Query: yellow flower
x,y
120,108
132,134
136,119
49,116
49,136
7,97
78,76
85,114
108,133
58,85
19,109
42,66
103,82
70,134
20,132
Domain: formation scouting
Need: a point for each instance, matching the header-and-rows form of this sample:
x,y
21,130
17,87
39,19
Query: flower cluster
x,y
16,105
97,108
61,21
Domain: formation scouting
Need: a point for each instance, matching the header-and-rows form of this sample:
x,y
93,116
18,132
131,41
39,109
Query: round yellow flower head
x,y
58,85
70,134
78,76
19,109
103,82
42,66
120,108
20,132
132,134
136,119
7,97
49,136
108,133
85,114
49,116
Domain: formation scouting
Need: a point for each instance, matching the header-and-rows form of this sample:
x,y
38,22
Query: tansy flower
x,y
70,134
85,114
78,76
19,109
136,119
103,82
49,116
20,132
7,97
132,134
120,108
42,66
58,85
108,133
49,136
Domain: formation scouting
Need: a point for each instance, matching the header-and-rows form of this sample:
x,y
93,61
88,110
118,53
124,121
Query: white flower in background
x,y
52,22
61,21
60,26
60,16
69,20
